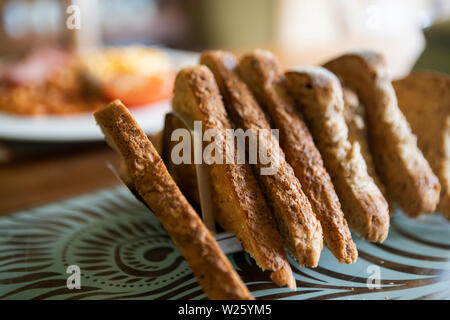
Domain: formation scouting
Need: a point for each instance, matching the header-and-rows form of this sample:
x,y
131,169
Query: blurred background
x,y
43,159
300,31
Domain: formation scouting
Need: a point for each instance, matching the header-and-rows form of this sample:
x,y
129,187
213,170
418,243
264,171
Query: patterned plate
x,y
124,253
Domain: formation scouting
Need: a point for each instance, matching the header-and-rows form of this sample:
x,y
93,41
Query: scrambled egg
x,y
106,65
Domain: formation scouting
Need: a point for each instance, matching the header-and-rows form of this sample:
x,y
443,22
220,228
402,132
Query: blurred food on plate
x,y
136,74
51,81
47,81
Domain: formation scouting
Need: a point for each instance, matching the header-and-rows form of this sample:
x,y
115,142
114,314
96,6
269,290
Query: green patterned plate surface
x,y
124,253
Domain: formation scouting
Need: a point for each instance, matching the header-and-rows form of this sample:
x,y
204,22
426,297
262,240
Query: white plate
x,y
74,128
82,127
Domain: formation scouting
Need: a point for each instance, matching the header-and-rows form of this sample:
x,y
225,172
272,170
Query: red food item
x,y
155,88
36,66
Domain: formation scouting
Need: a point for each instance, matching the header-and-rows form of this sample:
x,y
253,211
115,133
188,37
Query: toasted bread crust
x,y
262,74
301,231
424,98
357,132
152,181
240,202
318,93
400,164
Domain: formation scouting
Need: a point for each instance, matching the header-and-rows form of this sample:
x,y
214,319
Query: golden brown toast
x,y
399,162
357,132
183,174
319,95
299,227
424,98
261,72
153,183
241,207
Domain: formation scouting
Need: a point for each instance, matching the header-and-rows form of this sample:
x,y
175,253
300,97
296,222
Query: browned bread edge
x,y
152,181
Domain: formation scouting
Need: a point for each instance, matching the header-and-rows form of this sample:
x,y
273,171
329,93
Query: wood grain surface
x,y
40,174
42,179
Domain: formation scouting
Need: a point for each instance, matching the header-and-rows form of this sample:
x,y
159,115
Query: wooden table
x,y
55,173
38,174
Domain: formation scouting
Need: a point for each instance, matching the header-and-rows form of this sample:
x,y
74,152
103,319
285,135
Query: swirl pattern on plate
x,y
124,253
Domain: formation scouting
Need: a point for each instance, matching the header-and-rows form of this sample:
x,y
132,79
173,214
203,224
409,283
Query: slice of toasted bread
x,y
424,98
241,207
183,174
153,183
357,132
299,227
400,164
261,72
319,95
